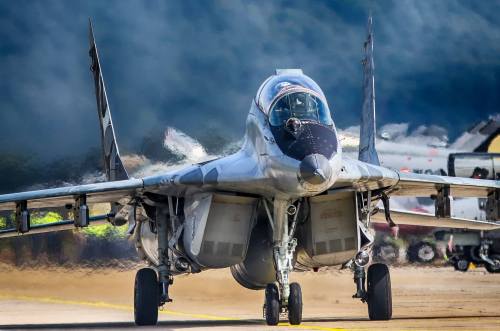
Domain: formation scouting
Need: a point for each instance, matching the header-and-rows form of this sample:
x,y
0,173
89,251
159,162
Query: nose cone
x,y
315,169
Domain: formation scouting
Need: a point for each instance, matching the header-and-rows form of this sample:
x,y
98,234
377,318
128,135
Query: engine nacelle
x,y
216,233
331,235
217,228
257,270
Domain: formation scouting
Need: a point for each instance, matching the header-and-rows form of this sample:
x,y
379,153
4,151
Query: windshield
x,y
301,105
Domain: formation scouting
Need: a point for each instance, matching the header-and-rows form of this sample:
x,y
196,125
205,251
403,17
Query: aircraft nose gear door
x,y
286,297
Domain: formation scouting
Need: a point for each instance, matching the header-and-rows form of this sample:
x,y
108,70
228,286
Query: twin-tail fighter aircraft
x,y
287,200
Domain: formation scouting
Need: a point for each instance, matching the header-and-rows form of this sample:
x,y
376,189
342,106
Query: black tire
x,y
272,304
423,252
461,265
493,269
295,304
379,292
146,297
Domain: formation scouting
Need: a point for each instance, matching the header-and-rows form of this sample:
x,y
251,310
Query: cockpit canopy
x,y
291,94
301,105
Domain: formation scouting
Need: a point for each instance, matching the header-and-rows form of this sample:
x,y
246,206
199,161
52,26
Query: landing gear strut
x,y
151,288
165,279
286,297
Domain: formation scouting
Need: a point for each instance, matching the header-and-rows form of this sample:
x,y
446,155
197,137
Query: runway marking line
x,y
100,304
311,327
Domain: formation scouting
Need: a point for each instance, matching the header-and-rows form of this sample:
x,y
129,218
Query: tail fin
x,y
367,151
112,161
491,131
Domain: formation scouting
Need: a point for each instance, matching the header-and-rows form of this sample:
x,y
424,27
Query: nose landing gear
x,y
285,298
273,306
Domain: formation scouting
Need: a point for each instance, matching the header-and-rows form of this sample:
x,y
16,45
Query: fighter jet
x,y
288,199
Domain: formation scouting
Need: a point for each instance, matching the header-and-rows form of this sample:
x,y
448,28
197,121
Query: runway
x,y
424,299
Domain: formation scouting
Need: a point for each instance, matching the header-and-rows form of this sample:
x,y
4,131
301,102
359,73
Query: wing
x,y
419,185
78,198
385,182
65,196
441,188
424,219
365,177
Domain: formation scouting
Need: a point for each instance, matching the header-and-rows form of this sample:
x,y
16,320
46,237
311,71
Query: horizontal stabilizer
x,y
402,217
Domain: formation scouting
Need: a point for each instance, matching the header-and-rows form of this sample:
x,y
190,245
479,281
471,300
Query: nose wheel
x,y
295,304
274,307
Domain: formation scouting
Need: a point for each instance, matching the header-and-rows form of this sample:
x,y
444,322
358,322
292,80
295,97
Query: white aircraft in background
x,y
426,149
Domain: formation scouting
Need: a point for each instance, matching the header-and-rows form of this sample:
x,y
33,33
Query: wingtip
x,y
91,31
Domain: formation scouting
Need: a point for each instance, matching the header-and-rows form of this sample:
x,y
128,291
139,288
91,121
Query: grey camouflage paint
x,y
367,151
112,161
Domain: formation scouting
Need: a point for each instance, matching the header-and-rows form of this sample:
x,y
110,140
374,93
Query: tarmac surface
x,y
425,298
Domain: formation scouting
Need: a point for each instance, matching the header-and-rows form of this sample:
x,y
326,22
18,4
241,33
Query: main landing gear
x,y
283,297
378,293
148,296
151,288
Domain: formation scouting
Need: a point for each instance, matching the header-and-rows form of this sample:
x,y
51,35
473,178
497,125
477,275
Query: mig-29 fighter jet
x,y
288,199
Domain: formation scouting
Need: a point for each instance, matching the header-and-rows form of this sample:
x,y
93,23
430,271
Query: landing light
x,y
291,210
362,258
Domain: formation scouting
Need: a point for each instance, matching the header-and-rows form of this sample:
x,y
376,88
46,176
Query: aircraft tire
x,y
423,252
379,292
146,297
493,269
295,304
461,265
272,304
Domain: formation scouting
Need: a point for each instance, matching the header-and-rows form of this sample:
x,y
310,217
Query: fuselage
x,y
290,149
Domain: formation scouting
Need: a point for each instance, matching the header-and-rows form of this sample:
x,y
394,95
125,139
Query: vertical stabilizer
x,y
112,161
367,151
